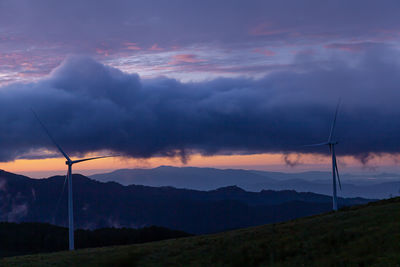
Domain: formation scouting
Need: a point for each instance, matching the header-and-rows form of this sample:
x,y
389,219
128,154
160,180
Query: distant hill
x,y
110,204
184,177
361,236
376,186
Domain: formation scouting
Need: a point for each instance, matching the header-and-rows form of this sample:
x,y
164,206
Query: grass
x,y
368,235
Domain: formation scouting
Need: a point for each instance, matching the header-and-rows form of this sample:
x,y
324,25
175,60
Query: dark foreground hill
x,y
360,236
28,238
98,205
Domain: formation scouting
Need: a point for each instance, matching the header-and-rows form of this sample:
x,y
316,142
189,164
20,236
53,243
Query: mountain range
x,y
377,186
98,204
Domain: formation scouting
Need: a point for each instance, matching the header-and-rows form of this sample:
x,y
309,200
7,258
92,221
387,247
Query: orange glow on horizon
x,y
274,162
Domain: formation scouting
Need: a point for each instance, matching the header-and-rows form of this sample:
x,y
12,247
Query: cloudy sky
x,y
204,83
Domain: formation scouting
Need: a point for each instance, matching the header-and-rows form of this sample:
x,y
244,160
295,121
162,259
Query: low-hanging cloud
x,y
91,107
291,160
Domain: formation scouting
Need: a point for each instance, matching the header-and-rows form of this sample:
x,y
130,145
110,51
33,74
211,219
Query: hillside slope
x,y
368,235
28,238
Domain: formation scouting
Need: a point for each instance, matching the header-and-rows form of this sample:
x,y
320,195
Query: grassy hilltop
x,y
368,235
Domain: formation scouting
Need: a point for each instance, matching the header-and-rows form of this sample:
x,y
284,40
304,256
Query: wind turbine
x,y
335,172
69,163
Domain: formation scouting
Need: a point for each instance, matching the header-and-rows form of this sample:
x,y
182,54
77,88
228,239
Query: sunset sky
x,y
228,84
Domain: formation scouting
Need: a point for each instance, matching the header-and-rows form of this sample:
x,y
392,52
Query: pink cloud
x,y
303,52
155,47
265,52
355,47
184,58
132,46
383,35
103,52
265,29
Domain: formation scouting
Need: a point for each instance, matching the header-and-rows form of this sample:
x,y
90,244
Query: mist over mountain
x,y
98,204
377,186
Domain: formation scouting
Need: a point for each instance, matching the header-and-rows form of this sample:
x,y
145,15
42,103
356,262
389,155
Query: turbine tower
x,y
69,163
335,172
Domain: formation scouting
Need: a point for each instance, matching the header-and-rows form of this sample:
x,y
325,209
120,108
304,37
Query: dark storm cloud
x,y
90,107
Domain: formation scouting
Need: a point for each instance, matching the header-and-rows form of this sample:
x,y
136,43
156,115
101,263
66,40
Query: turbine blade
x,y
333,123
50,136
337,174
319,144
80,160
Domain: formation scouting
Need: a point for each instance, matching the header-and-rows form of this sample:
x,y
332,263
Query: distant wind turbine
x,y
69,162
335,172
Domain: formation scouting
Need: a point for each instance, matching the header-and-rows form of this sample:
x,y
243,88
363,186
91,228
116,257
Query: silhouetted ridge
x,y
8,175
373,186
98,205
230,189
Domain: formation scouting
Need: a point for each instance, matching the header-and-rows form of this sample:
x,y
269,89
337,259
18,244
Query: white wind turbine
x,y
69,162
335,172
